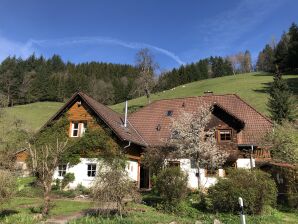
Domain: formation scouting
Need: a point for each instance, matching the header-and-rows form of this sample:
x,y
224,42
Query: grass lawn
x,y
141,214
24,209
19,210
251,87
33,115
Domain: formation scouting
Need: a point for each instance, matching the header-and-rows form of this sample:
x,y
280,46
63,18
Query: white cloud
x,y
23,50
105,41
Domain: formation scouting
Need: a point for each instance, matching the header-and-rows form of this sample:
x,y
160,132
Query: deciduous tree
x,y
113,185
283,143
146,66
46,152
192,139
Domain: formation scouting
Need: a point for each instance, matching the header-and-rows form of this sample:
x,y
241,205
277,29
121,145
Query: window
x,y
158,127
169,113
211,171
91,170
62,170
225,135
83,128
173,164
78,129
75,129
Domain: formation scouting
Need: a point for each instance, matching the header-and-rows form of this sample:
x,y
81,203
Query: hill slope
x,y
251,87
33,115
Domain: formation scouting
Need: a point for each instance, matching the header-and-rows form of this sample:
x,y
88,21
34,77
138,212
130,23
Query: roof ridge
x,y
100,103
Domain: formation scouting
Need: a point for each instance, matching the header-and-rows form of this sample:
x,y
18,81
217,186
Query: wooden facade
x,y
80,112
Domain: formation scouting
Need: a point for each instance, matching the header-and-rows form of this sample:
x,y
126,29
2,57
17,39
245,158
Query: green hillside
x,y
251,87
33,115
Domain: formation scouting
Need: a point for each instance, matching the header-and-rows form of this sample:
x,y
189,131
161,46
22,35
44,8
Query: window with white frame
x,y
75,129
83,127
78,129
225,135
91,170
62,170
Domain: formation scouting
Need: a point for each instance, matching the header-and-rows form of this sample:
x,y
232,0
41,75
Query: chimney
x,y
125,116
208,93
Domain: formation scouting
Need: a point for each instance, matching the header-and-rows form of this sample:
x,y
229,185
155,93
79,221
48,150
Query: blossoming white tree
x,y
192,139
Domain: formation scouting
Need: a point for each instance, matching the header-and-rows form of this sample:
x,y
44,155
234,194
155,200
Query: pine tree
x,y
281,104
293,48
266,59
281,52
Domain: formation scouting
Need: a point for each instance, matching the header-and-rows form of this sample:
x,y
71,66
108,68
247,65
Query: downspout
x,y
125,116
251,152
127,145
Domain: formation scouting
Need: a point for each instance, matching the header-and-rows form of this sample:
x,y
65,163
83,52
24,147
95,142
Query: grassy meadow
x,y
252,87
33,115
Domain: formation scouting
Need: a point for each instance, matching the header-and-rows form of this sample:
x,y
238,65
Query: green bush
x,y
256,188
80,189
68,178
171,185
8,186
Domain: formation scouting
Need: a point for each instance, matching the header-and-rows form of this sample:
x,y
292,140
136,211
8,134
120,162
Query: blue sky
x,y
177,32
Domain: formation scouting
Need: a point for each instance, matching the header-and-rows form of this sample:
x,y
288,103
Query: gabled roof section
x,y
147,119
111,118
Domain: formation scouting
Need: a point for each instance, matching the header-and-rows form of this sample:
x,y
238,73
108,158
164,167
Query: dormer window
x,y
225,135
169,113
78,129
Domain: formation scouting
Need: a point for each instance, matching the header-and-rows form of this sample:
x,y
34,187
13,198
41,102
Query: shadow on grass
x,y
263,74
7,212
292,83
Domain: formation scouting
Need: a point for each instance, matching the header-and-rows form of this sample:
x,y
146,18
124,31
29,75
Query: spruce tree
x,y
281,104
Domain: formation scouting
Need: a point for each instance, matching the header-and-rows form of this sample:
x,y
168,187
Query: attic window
x,y
78,128
169,113
75,129
225,135
158,127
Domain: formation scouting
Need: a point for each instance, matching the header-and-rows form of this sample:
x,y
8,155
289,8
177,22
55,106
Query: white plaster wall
x,y
23,168
205,181
80,172
245,163
132,169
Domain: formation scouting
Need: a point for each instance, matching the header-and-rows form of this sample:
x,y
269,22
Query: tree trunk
x,y
47,199
147,91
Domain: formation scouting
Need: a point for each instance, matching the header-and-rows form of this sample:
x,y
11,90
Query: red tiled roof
x,y
111,118
148,118
151,125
